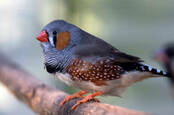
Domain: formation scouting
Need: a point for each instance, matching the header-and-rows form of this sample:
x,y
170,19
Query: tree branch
x,y
45,100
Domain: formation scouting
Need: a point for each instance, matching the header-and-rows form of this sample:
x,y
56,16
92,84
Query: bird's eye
x,y
54,32
43,36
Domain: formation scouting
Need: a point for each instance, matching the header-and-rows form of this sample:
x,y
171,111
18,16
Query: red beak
x,y
43,36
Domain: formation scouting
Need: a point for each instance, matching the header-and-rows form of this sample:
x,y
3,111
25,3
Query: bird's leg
x,y
86,98
75,95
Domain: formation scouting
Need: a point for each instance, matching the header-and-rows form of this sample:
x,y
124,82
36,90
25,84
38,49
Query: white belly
x,y
112,87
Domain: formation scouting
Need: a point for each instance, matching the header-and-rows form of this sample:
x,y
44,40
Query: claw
x,y
87,98
76,95
96,100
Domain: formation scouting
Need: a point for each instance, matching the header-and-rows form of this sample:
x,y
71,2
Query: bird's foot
x,y
75,95
87,98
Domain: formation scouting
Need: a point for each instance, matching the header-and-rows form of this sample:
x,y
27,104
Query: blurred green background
x,y
137,27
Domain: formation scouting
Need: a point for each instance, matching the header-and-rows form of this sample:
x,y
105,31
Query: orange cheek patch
x,y
63,39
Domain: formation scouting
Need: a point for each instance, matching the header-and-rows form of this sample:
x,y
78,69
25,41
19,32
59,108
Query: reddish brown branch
x,y
45,100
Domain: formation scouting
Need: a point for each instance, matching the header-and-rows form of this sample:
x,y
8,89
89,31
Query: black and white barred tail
x,y
147,68
143,68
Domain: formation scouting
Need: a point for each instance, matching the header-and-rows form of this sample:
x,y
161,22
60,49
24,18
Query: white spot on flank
x,y
80,61
107,60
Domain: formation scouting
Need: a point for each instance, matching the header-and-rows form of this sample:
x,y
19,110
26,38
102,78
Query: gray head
x,y
59,28
57,41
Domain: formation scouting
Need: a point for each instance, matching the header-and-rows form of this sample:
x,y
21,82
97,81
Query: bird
x,y
165,56
86,62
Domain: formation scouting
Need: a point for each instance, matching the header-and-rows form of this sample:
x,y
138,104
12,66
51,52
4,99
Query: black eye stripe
x,y
54,39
